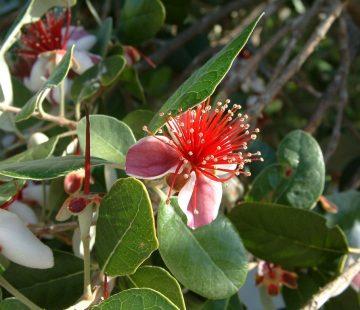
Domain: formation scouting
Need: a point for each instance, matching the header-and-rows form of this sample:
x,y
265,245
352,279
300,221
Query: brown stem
x,y
61,121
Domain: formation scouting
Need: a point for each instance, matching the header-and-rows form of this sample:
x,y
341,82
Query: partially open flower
x,y
273,277
43,45
76,204
18,244
200,149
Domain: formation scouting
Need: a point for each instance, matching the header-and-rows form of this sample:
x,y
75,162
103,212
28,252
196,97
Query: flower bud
x,y
73,181
37,138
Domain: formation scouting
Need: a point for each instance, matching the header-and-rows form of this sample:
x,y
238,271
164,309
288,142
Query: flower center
x,y
212,140
47,34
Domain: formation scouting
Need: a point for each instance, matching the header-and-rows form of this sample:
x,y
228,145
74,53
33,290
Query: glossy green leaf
x,y
203,82
44,169
55,288
300,152
137,298
159,280
288,236
10,189
110,138
102,74
140,20
55,78
12,304
41,151
348,215
136,121
125,231
210,260
299,177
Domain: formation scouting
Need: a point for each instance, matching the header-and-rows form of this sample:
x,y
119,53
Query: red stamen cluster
x,y
45,35
208,138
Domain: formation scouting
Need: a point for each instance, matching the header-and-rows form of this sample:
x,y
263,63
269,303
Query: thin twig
x,y
52,229
199,27
333,288
343,94
274,88
298,29
61,121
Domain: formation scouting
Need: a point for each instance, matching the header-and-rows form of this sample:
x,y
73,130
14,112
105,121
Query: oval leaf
x,y
137,298
110,138
203,82
125,225
159,280
44,169
140,20
288,236
299,177
210,260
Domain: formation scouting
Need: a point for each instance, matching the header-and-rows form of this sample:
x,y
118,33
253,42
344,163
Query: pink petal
x,y
151,158
200,200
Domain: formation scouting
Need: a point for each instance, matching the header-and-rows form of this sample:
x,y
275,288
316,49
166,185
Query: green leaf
x,y
288,236
140,20
159,280
210,260
102,74
10,189
137,298
300,152
55,78
299,177
203,82
41,151
44,169
348,215
103,37
136,120
55,288
110,138
12,304
125,231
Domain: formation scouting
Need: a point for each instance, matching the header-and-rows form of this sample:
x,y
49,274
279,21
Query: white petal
x,y
35,192
83,62
77,244
54,94
38,74
80,37
186,192
37,138
19,245
24,212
